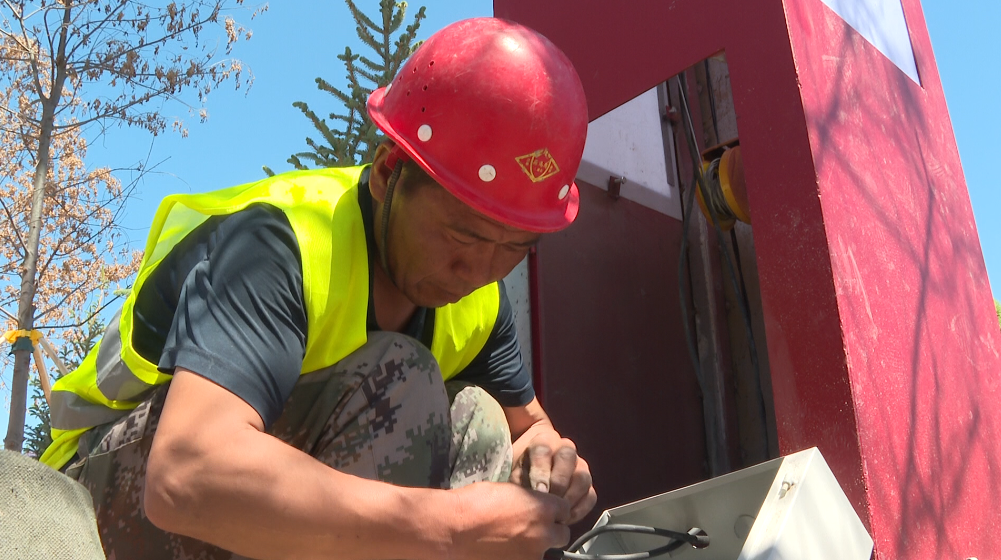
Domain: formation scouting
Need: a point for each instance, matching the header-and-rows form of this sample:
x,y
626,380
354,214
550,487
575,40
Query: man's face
x,y
440,249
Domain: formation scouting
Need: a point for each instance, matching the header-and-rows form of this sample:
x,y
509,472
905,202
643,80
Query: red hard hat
x,y
496,114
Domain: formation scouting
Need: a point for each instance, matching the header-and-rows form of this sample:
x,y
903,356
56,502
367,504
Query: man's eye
x,y
463,240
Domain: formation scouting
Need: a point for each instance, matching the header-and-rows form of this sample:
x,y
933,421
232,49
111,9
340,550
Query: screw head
x,y
487,173
424,133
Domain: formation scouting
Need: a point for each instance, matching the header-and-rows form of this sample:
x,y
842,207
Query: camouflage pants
x,y
381,413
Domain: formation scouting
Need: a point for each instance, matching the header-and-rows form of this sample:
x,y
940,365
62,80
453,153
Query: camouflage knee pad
x,y
481,438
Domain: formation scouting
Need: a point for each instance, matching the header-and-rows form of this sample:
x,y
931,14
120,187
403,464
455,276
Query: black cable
x,y
712,100
695,537
743,290
745,302
717,201
741,295
390,187
711,421
736,253
686,213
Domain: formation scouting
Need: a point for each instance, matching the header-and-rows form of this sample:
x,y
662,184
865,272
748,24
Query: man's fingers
x,y
561,477
518,474
560,509
583,506
560,535
581,494
551,465
580,482
540,459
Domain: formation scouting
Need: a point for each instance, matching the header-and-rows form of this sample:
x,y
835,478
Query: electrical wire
x,y
717,203
716,463
739,287
716,200
712,100
743,287
390,187
695,537
693,353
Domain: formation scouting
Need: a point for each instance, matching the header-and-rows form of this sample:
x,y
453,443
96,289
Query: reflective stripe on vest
x,y
322,208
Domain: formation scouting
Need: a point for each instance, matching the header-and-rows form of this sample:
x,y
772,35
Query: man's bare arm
x,y
213,474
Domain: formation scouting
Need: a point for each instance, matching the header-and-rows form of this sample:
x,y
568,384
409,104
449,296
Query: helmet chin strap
x,y
397,165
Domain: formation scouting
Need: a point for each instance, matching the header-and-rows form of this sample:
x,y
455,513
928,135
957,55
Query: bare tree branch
x,y
88,319
69,68
10,218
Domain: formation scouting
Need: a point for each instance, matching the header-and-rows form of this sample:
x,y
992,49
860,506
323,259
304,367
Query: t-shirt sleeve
x,y
241,318
499,368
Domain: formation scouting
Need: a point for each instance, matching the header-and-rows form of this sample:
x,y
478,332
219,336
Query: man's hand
x,y
551,464
500,520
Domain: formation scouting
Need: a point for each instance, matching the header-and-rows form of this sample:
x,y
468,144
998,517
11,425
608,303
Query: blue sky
x,y
292,46
288,51
964,36
246,130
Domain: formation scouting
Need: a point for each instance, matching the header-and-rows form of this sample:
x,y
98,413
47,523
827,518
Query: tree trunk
x,y
26,302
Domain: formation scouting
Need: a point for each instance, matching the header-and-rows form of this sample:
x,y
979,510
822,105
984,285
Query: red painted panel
x,y
883,346
920,335
616,374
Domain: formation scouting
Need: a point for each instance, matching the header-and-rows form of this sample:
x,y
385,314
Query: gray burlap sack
x,y
43,513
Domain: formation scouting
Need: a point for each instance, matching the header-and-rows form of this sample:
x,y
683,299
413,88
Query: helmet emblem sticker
x,y
538,165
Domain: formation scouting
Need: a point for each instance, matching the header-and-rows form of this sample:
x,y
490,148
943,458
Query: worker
x,y
323,364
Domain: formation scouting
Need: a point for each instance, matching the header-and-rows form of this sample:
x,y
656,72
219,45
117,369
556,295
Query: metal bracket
x,y
615,186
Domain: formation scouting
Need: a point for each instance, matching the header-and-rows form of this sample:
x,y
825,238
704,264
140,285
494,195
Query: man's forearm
x,y
214,475
261,498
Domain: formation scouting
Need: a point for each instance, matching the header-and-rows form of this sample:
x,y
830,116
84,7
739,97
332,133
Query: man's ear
x,y
378,175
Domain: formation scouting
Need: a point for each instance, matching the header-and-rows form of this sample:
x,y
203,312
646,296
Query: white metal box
x,y
786,509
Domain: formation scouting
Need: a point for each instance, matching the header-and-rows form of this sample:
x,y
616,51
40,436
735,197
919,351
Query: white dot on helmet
x,y
564,191
487,173
424,133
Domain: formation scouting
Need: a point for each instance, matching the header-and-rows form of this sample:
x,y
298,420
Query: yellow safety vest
x,y
322,208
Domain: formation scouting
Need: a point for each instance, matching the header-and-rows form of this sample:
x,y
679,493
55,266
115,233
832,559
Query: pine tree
x,y
353,138
78,342
37,435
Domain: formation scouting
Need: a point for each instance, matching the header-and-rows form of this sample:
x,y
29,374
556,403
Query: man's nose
x,y
475,266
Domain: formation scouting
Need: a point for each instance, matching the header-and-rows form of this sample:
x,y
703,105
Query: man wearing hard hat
x,y
323,364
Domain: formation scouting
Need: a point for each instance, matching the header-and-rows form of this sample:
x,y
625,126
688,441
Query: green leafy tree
x,y
353,138
997,307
